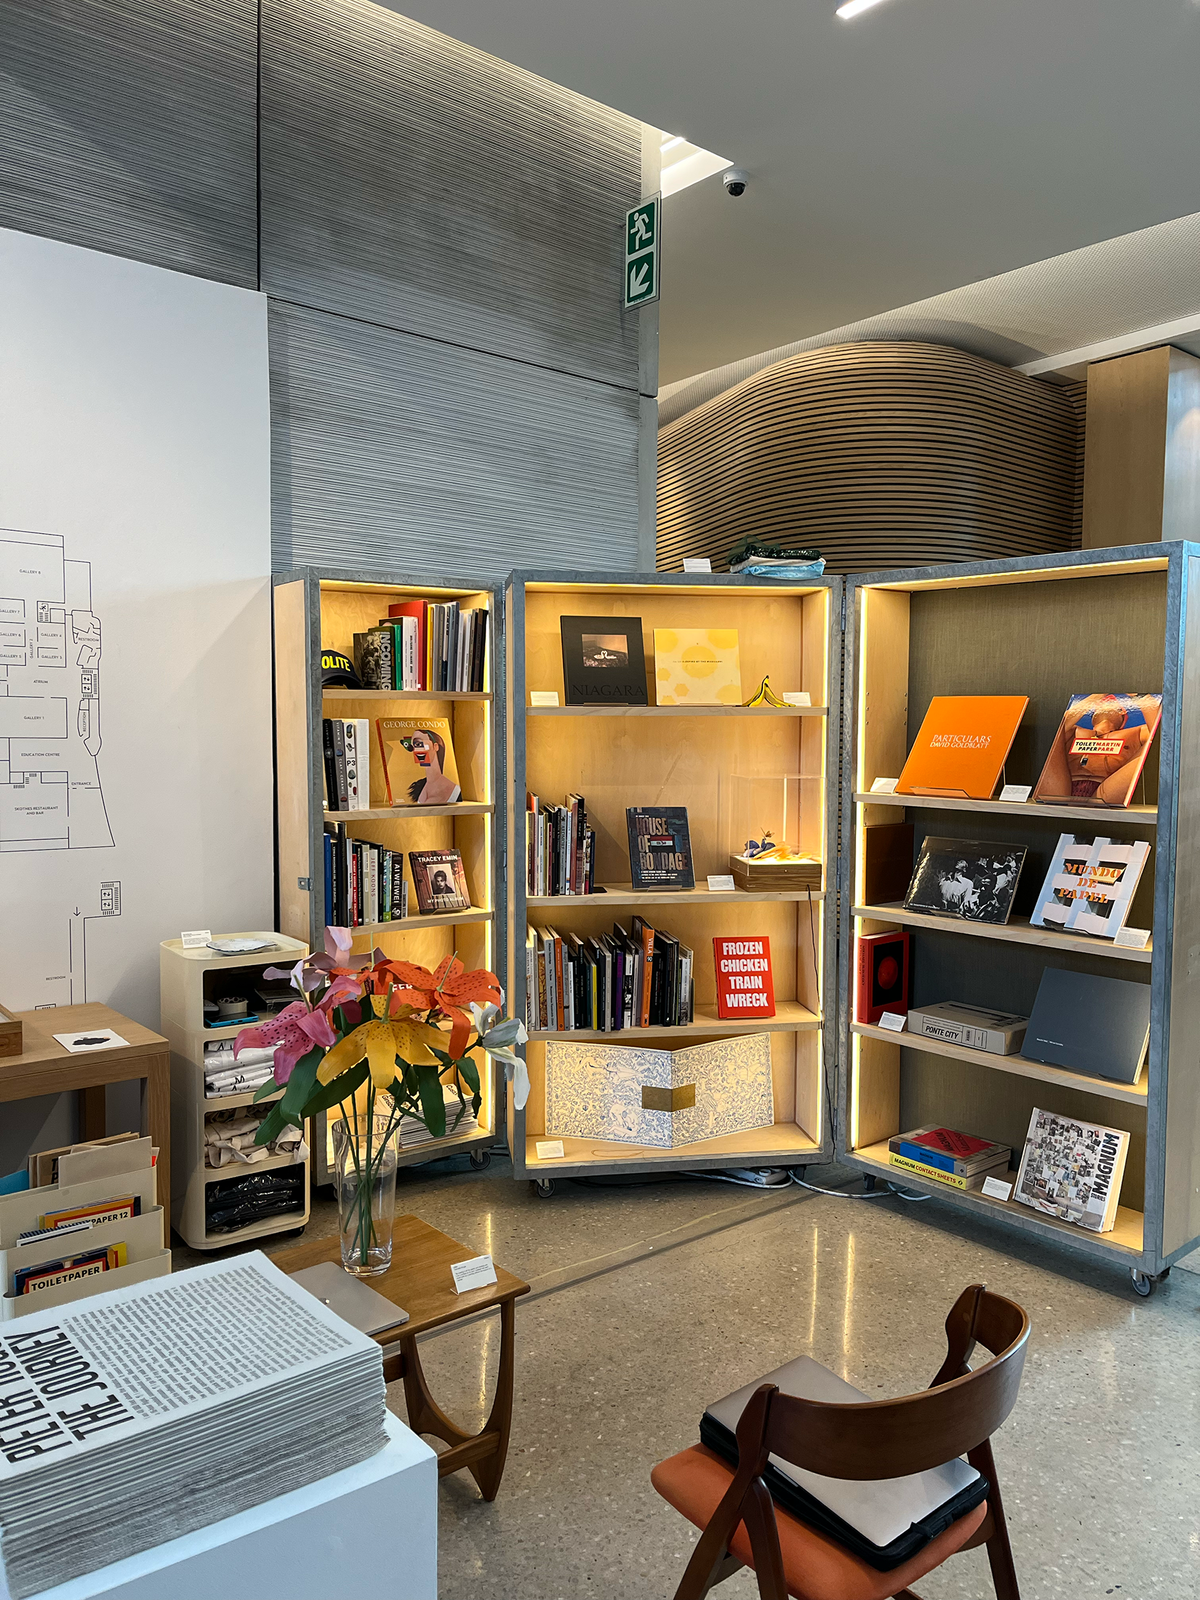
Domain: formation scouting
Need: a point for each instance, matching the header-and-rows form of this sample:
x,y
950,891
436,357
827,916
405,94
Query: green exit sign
x,y
642,226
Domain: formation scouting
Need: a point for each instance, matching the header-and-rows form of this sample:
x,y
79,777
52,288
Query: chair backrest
x,y
892,1438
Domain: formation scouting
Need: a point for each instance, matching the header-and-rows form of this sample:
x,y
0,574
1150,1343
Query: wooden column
x,y
1141,475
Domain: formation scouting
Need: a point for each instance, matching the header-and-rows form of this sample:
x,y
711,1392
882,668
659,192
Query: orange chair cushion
x,y
817,1568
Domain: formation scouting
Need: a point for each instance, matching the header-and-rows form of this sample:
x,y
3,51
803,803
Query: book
x,y
950,1151
374,654
1090,885
661,1098
356,733
1072,1170
415,611
418,760
1099,750
660,847
997,1033
744,983
962,745
923,1169
70,1270
604,661
697,667
117,1209
1089,1024
965,878
881,975
340,801
439,880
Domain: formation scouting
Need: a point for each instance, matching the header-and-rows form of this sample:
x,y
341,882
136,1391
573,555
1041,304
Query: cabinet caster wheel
x,y
869,1182
1145,1283
481,1159
543,1188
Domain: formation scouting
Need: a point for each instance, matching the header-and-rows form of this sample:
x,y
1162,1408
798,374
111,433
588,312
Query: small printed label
x,y
893,1021
543,697
797,697
195,940
720,882
473,1274
996,1189
1132,938
549,1149
884,785
1019,792
697,564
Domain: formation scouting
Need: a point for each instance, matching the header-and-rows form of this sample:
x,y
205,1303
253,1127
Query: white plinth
x,y
370,1530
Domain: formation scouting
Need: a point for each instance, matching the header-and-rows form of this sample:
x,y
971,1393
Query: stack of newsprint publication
x,y
139,1415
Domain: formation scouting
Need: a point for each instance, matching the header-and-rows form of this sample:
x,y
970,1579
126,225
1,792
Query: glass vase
x,y
365,1162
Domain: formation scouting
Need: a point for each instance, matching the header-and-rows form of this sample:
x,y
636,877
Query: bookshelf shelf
x,y
1016,929
1135,1093
983,629
1100,817
676,711
789,1017
320,609
624,894
622,756
237,1169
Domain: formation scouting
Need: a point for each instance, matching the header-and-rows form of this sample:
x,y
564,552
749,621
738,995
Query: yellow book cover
x,y
418,761
923,1171
697,667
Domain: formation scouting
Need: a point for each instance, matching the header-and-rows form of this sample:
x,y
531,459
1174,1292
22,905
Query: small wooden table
x,y
419,1282
44,1067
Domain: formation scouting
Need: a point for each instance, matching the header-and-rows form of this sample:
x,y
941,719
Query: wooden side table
x,y
419,1281
44,1067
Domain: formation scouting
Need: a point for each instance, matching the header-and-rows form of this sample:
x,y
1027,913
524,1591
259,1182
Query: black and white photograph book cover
x,y
965,878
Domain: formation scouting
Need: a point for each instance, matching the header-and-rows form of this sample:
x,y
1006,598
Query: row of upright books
x,y
425,644
639,978
364,882
560,847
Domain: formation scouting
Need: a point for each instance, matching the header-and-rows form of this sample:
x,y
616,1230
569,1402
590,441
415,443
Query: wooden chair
x,y
956,1415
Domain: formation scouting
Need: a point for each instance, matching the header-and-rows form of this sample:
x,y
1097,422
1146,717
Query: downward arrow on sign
x,y
639,277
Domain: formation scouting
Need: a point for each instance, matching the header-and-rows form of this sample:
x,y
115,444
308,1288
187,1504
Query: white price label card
x,y
473,1274
884,785
1016,791
550,1149
543,697
893,1021
1132,938
697,564
195,940
997,1189
798,697
720,882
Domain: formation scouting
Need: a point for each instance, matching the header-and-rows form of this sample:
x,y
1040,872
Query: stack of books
x,y
191,1398
945,1156
346,752
413,1131
639,978
364,882
424,644
560,847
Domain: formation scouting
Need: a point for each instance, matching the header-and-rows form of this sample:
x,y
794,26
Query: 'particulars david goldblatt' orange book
x,y
963,744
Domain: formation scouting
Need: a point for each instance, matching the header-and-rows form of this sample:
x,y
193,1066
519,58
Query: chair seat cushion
x,y
817,1568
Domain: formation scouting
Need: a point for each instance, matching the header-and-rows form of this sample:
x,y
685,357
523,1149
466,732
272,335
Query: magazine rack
x,y
320,608
620,756
1124,620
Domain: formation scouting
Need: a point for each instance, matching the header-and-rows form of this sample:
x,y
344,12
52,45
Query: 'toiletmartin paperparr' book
x,y
1090,885
1072,1170
1099,750
962,746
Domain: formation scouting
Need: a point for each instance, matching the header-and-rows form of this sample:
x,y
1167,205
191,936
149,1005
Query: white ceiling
x,y
926,145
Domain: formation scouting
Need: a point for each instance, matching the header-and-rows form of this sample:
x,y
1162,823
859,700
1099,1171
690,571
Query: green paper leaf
x,y
341,1088
300,1086
433,1107
264,1090
272,1125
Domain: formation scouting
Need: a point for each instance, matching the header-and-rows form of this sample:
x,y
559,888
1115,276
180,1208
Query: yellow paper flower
x,y
379,1043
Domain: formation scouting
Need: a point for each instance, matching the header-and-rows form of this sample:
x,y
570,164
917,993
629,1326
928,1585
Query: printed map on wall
x,y
50,790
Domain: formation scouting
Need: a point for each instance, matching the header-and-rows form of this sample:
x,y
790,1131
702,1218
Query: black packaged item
x,y
253,1197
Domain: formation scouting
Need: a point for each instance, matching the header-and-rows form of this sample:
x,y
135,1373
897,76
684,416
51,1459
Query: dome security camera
x,y
735,181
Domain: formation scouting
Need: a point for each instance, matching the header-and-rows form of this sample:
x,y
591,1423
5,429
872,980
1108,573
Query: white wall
x,y
134,428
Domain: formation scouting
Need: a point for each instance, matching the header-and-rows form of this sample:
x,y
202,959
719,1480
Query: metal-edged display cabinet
x,y
318,609
1119,620
720,762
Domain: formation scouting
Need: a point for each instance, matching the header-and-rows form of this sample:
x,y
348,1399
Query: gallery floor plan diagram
x,y
50,795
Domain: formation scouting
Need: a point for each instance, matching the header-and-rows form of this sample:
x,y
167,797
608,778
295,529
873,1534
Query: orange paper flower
x,y
447,990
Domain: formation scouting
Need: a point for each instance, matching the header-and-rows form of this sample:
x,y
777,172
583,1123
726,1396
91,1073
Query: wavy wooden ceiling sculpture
x,y
880,454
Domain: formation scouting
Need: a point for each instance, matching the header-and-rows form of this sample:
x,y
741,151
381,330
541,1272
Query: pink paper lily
x,y
293,1033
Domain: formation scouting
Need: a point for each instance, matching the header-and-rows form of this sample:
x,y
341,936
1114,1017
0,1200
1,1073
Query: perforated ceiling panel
x,y
1101,292
414,182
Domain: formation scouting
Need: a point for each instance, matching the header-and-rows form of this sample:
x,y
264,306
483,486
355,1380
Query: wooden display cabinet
x,y
1123,620
318,609
678,755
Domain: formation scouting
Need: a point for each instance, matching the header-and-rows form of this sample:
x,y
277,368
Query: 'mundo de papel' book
x,y
1072,1170
962,746
1090,885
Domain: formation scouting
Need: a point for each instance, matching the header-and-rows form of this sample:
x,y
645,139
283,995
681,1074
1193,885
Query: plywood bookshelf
x,y
619,756
1122,619
319,609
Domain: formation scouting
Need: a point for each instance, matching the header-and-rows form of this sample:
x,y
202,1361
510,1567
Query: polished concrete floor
x,y
647,1302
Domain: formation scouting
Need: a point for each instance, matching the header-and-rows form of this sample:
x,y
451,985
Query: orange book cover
x,y
963,744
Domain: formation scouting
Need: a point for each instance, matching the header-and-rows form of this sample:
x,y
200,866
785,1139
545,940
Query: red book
x,y
744,984
881,976
414,608
951,1143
